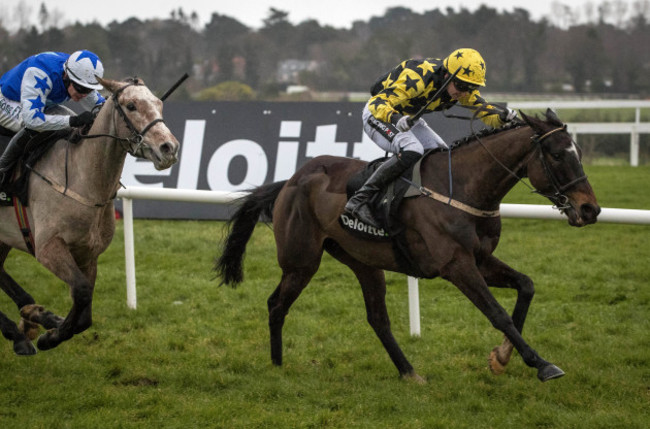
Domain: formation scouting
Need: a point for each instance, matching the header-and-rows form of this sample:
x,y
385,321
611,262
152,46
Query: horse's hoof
x,y
495,364
46,342
51,320
549,372
24,348
414,378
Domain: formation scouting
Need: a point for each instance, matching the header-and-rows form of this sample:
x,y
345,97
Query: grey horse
x,y
70,209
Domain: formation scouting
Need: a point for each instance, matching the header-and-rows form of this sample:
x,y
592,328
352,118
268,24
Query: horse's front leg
x,y
465,275
498,274
55,256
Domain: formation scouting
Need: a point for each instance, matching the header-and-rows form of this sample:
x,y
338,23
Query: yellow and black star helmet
x,y
472,66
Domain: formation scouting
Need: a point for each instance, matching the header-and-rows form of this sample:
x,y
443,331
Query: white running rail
x,y
528,211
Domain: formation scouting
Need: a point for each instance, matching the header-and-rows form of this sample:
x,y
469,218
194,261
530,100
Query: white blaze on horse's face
x,y
573,150
144,110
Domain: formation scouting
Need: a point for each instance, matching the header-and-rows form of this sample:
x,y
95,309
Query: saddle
x,y
385,205
15,183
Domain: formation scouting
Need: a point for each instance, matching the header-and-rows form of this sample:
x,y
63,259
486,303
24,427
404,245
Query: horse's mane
x,y
477,136
485,133
133,80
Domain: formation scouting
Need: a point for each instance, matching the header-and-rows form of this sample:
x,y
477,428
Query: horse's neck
x,y
482,171
92,166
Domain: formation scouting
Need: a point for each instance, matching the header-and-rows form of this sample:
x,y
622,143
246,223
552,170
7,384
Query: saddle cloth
x,y
384,206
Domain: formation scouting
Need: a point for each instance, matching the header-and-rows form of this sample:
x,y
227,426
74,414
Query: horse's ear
x,y
552,116
533,122
111,85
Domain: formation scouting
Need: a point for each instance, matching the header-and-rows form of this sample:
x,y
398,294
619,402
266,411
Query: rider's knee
x,y
408,143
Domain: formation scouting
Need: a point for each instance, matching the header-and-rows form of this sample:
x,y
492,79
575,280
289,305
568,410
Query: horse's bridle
x,y
560,200
134,145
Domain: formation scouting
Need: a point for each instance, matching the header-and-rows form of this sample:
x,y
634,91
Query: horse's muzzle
x,y
585,214
165,155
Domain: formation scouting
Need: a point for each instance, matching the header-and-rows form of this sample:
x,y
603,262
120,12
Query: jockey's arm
x,y
35,87
407,86
489,118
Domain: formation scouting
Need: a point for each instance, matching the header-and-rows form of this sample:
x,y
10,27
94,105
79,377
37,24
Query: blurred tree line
x,y
607,55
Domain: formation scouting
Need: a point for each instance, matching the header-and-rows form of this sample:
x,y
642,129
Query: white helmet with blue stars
x,y
82,67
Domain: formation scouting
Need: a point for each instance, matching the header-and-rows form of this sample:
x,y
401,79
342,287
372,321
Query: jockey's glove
x,y
403,124
508,115
82,119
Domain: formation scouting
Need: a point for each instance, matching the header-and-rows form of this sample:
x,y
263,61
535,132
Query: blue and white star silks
x,y
37,84
37,106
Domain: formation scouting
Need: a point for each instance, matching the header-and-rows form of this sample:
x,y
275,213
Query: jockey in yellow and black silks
x,y
399,95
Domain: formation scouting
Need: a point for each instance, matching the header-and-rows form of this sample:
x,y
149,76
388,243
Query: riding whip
x,y
173,88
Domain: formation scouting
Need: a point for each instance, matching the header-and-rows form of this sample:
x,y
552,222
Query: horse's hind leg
x,y
22,345
498,274
373,285
290,287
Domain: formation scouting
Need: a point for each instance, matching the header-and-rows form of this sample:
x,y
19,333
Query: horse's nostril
x,y
167,149
589,211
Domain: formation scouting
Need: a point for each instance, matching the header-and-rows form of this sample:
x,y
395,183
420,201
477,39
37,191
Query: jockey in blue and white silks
x,y
31,94
42,81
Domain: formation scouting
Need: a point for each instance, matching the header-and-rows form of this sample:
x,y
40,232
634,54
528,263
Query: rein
x,y
133,147
134,141
560,201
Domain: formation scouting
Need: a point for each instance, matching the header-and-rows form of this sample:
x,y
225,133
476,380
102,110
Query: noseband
x,y
560,200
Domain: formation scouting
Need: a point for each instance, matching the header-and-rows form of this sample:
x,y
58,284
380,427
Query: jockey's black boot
x,y
14,151
390,170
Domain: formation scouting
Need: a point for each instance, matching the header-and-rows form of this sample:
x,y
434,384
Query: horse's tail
x,y
260,201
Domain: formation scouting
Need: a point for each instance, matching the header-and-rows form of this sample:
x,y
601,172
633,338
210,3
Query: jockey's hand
x,y
82,119
403,124
508,115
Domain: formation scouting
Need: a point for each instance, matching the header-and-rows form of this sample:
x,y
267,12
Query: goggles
x,y
463,86
80,89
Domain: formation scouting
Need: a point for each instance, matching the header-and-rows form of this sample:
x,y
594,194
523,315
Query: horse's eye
x,y
131,106
556,156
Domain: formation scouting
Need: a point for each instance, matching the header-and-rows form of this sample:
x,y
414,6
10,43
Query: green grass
x,y
195,355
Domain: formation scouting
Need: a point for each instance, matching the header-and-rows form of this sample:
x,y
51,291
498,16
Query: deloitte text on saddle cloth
x,y
357,225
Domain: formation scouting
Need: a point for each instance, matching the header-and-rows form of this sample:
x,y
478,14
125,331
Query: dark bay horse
x,y
455,244
70,209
